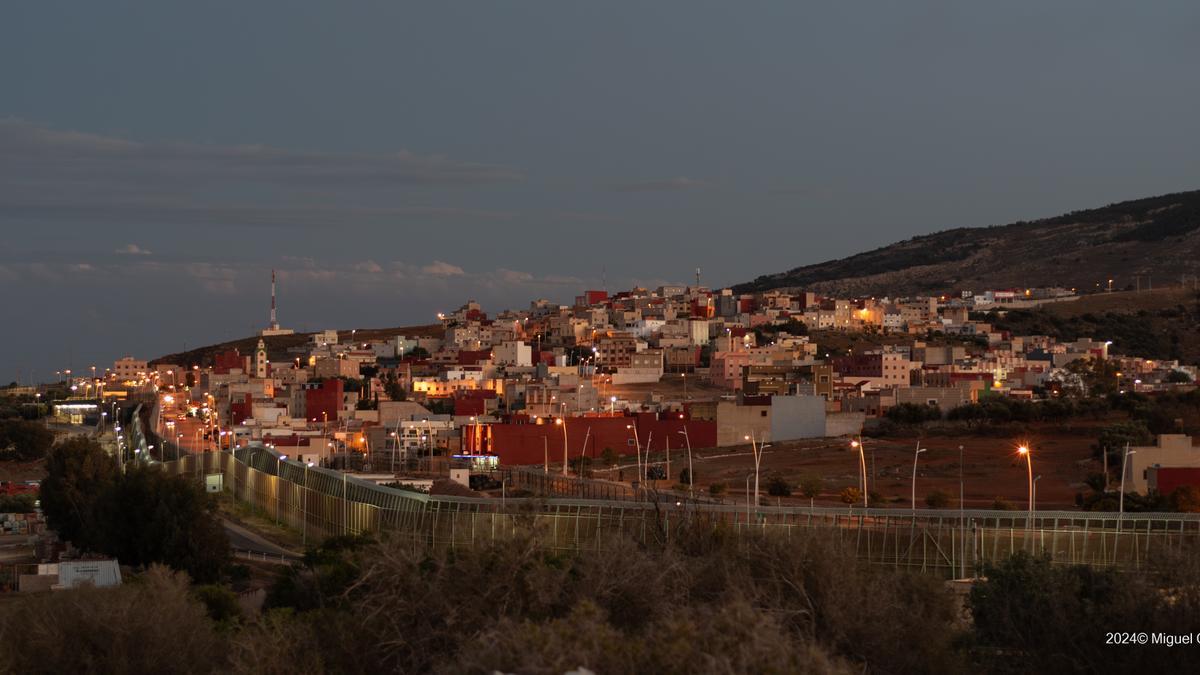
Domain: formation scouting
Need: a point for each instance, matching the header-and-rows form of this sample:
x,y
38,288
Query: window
x,y
762,413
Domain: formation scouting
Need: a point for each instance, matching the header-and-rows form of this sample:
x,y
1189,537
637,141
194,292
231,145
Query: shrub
x,y
850,495
777,486
716,489
937,499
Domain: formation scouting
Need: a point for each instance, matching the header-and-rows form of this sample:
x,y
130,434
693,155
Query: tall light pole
x,y
962,531
1024,450
560,422
757,449
1035,482
914,478
862,461
278,464
637,444
304,510
1121,500
612,406
546,454
691,476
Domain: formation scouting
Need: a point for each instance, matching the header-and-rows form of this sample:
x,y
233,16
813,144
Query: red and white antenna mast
x,y
274,323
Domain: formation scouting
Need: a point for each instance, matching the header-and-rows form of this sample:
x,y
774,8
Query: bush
x,y
24,441
716,489
17,503
913,413
850,495
151,624
937,499
1002,504
777,486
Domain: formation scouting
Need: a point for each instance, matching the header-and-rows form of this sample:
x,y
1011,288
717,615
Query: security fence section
x,y
946,542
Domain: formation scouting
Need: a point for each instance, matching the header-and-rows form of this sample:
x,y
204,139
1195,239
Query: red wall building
x,y
228,360
521,441
323,398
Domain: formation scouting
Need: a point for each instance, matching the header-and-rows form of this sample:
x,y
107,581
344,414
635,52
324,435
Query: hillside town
x,y
628,374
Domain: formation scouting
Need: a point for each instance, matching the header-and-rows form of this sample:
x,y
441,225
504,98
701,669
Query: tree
x,y
913,413
24,441
716,489
1002,504
777,486
80,477
1178,377
937,499
850,495
1186,499
810,486
608,457
141,517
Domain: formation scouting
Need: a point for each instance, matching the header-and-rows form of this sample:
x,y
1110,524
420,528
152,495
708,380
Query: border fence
x,y
946,542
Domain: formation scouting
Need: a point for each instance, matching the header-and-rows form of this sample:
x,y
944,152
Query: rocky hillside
x,y
1156,236
278,345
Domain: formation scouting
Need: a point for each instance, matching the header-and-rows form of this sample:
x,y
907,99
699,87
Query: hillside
x,y
278,345
1156,236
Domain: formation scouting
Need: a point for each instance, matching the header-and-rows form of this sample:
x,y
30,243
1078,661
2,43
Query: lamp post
x,y
562,423
1035,482
1121,500
546,454
857,444
914,477
304,509
962,532
637,444
612,406
691,476
748,499
757,449
278,465
1024,450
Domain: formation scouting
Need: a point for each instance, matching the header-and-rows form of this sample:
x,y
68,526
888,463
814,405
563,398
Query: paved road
x,y
241,538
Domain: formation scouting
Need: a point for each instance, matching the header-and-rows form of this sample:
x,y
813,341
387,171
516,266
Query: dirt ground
x,y
992,468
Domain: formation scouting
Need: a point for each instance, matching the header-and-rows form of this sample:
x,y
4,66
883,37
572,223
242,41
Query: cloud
x,y
662,185
368,266
442,269
131,249
83,155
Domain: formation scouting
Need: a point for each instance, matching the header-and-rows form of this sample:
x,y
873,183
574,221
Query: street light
x,y
278,463
1024,450
612,405
559,422
757,449
1124,461
304,510
691,476
914,478
637,444
862,462
1035,482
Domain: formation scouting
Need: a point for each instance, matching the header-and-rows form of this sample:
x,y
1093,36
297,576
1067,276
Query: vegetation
x,y
141,516
913,413
24,441
777,486
1034,616
704,602
938,499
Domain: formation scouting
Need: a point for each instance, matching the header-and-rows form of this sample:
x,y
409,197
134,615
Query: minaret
x,y
260,360
274,323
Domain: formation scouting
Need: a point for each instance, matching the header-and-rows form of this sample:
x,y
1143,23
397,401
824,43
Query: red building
x,y
323,400
228,360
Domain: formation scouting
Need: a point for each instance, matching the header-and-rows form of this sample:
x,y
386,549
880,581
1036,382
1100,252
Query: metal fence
x,y
946,542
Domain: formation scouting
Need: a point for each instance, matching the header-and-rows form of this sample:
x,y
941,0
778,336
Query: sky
x,y
392,160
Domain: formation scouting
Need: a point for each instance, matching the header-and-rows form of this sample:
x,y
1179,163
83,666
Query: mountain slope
x,y
1156,236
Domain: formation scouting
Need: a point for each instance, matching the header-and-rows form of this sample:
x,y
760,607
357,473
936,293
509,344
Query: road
x,y
243,539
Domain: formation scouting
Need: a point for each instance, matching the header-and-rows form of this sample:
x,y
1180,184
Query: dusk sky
x,y
391,160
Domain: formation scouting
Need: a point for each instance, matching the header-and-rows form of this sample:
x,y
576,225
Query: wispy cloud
x,y
74,154
438,268
70,176
661,185
131,249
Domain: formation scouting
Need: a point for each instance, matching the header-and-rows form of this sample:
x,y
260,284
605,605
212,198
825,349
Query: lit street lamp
x,y
1024,450
560,422
278,464
757,449
862,462
304,510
